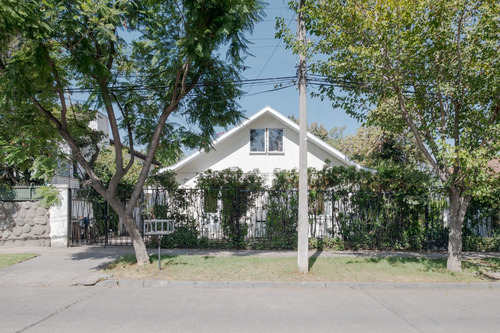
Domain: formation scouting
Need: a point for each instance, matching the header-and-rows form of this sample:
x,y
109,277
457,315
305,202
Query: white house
x,y
266,141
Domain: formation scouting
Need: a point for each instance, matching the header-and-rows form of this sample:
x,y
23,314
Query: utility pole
x,y
303,223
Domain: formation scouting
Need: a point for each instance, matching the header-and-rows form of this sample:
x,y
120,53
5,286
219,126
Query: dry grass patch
x,y
340,269
11,259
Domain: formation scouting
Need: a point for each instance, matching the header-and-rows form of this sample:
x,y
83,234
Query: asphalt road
x,y
129,309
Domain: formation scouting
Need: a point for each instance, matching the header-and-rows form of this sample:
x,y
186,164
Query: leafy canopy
x,y
432,66
137,60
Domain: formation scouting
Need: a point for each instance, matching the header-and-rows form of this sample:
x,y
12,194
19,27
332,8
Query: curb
x,y
295,285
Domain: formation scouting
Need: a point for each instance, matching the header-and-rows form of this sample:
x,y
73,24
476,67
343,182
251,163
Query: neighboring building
x,y
66,172
266,141
70,174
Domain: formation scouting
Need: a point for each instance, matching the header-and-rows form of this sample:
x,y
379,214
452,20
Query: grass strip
x,y
11,259
284,269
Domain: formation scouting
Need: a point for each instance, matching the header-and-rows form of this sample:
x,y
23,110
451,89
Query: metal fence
x,y
25,193
268,218
92,221
375,220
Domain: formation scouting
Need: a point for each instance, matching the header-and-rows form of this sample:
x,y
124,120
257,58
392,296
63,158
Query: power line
x,y
270,57
141,87
271,90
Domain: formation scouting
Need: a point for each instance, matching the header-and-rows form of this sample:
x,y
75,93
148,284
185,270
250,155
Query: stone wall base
x,y
40,242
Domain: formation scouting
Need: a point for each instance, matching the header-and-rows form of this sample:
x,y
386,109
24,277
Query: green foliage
x,y
332,136
430,67
327,243
182,237
165,179
49,195
29,149
371,146
285,180
382,210
418,61
481,244
172,204
393,209
483,218
282,219
105,168
237,191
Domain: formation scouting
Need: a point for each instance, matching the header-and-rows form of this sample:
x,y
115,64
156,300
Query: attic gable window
x,y
258,140
269,140
275,140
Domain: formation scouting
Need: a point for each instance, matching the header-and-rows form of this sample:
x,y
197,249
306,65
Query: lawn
x,y
283,269
11,259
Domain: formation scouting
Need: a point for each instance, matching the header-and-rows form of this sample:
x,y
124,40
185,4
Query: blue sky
x,y
271,59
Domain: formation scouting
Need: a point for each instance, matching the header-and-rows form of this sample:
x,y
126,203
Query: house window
x,y
258,140
275,140
269,140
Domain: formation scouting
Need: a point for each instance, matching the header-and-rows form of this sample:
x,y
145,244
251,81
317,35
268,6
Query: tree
x,y
433,64
332,137
105,169
26,157
142,62
372,147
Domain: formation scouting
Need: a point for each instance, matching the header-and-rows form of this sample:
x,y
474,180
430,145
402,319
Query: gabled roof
x,y
269,111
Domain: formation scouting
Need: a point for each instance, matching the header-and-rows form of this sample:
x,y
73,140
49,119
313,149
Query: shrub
x,y
182,237
327,243
481,244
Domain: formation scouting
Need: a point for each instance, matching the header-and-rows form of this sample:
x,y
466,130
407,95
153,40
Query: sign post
x,y
158,228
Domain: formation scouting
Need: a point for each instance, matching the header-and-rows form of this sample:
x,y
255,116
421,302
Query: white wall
x,y
59,219
101,123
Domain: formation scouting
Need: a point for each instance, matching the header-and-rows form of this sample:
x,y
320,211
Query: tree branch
x,y
129,133
153,146
120,172
60,92
415,131
112,52
96,181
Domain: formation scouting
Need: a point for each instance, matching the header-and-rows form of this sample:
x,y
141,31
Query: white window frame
x,y
266,150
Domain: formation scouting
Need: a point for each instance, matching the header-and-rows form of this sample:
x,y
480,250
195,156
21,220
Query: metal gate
x,y
93,222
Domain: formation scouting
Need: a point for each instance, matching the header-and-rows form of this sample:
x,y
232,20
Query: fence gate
x,y
93,222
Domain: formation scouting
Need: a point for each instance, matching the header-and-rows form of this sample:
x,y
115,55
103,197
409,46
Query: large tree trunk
x,y
135,234
137,241
458,207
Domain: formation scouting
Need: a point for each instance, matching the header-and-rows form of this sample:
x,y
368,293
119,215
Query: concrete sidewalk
x,y
60,266
80,266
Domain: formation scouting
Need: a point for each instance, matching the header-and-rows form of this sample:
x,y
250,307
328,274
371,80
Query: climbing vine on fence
x,y
237,192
